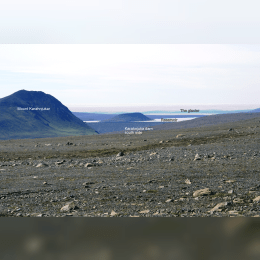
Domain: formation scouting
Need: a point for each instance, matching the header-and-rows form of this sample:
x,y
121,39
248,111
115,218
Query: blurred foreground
x,y
130,238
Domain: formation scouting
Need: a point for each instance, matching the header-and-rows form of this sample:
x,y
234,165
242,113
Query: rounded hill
x,y
34,114
129,117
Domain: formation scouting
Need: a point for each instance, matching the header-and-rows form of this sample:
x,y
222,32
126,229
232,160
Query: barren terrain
x,y
204,171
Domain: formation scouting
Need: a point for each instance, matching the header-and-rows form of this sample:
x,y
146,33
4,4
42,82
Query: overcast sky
x,y
129,21
134,74
132,52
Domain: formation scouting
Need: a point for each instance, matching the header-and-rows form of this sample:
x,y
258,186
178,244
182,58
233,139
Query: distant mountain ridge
x,y
257,110
129,117
34,114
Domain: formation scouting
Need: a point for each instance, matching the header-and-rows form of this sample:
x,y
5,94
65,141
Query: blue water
x,y
108,127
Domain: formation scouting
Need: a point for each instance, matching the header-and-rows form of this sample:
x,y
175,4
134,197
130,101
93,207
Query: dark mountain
x,y
255,110
129,117
34,114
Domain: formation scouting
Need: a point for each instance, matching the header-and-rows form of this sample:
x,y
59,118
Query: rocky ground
x,y
208,171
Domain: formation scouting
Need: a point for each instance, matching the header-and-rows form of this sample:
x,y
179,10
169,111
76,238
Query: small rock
x,y
230,181
87,183
220,206
238,200
257,199
42,165
68,207
202,192
47,144
197,157
232,212
36,215
169,200
256,188
144,211
120,154
59,163
44,183
89,165
113,213
161,142
230,191
187,181
180,135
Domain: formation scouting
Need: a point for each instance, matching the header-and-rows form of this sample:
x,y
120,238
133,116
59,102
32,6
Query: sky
x,y
135,21
130,74
132,53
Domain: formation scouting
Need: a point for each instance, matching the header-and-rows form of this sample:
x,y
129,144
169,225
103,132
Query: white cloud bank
x,y
134,74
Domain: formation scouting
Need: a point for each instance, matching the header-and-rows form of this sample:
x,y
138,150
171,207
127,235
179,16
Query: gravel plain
x,y
207,171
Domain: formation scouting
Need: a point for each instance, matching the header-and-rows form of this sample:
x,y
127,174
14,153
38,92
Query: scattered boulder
x,y
230,181
113,213
59,163
233,212
255,188
144,211
87,183
42,165
187,181
220,206
89,165
197,157
238,200
180,135
120,154
68,207
257,199
202,192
